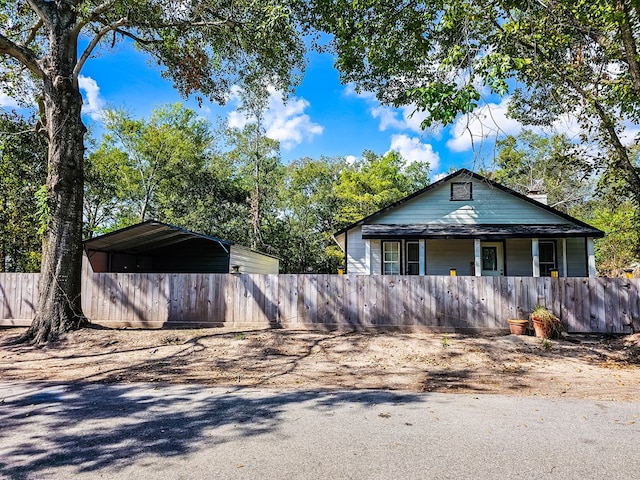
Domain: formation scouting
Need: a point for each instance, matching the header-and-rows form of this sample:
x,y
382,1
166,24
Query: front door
x,y
492,259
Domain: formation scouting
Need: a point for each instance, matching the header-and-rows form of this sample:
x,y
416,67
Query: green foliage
x,y
43,212
308,217
375,182
259,170
546,344
551,325
619,248
444,101
166,168
22,175
549,164
148,165
105,190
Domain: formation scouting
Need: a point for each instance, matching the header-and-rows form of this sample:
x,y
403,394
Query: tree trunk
x,y
59,304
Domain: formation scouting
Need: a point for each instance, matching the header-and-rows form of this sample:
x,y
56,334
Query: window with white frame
x,y
391,258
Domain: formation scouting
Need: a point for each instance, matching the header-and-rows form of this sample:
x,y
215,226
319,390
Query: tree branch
x,y
22,54
628,40
99,10
42,9
218,23
34,32
96,39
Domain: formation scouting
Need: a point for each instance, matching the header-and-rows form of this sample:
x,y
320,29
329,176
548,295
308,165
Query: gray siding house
x,y
156,247
471,224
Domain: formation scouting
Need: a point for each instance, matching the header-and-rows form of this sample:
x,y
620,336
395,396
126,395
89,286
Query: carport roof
x,y
146,236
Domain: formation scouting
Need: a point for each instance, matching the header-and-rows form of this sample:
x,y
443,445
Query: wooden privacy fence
x,y
604,305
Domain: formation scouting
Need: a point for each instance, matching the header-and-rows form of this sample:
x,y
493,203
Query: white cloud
x,y
93,102
490,121
7,101
403,118
487,121
350,91
284,122
630,134
237,119
412,149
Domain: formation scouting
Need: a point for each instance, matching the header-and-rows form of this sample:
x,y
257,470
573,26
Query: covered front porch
x,y
511,257
494,251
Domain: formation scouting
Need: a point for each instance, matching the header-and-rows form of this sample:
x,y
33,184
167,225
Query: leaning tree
x,y
202,46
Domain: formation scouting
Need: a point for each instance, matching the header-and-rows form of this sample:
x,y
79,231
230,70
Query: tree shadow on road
x,y
90,427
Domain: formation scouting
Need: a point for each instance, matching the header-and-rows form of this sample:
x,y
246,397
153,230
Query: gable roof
x,y
584,230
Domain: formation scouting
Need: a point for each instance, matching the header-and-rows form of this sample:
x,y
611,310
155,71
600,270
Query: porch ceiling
x,y
482,232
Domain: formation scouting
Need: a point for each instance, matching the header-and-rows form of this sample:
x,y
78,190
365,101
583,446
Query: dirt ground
x,y
577,366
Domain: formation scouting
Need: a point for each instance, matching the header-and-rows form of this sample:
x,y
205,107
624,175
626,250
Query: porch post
x,y
591,257
478,260
535,255
422,256
565,269
367,256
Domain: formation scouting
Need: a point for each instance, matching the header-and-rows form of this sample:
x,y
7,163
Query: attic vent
x,y
461,191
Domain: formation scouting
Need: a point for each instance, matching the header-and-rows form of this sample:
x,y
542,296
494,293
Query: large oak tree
x,y
201,45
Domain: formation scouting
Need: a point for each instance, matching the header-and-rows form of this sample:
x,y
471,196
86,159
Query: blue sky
x,y
323,117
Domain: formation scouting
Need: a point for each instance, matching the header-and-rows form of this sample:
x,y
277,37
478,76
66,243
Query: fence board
x,y
329,301
583,305
490,318
612,306
386,299
634,304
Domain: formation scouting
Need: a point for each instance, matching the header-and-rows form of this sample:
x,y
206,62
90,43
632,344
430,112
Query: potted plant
x,y
545,323
518,326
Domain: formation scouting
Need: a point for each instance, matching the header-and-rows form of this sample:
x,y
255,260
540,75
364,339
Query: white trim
x,y
398,262
591,257
421,249
367,256
535,256
478,260
499,249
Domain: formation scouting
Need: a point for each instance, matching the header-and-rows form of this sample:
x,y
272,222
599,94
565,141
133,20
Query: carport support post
x,y
535,255
478,260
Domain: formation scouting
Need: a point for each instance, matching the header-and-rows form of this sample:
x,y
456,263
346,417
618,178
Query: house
x,y
156,247
470,224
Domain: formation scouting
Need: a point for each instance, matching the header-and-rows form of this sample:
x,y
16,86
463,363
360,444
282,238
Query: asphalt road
x,y
142,431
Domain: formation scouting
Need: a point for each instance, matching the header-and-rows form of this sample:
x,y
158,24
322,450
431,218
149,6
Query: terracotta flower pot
x,y
518,327
540,328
